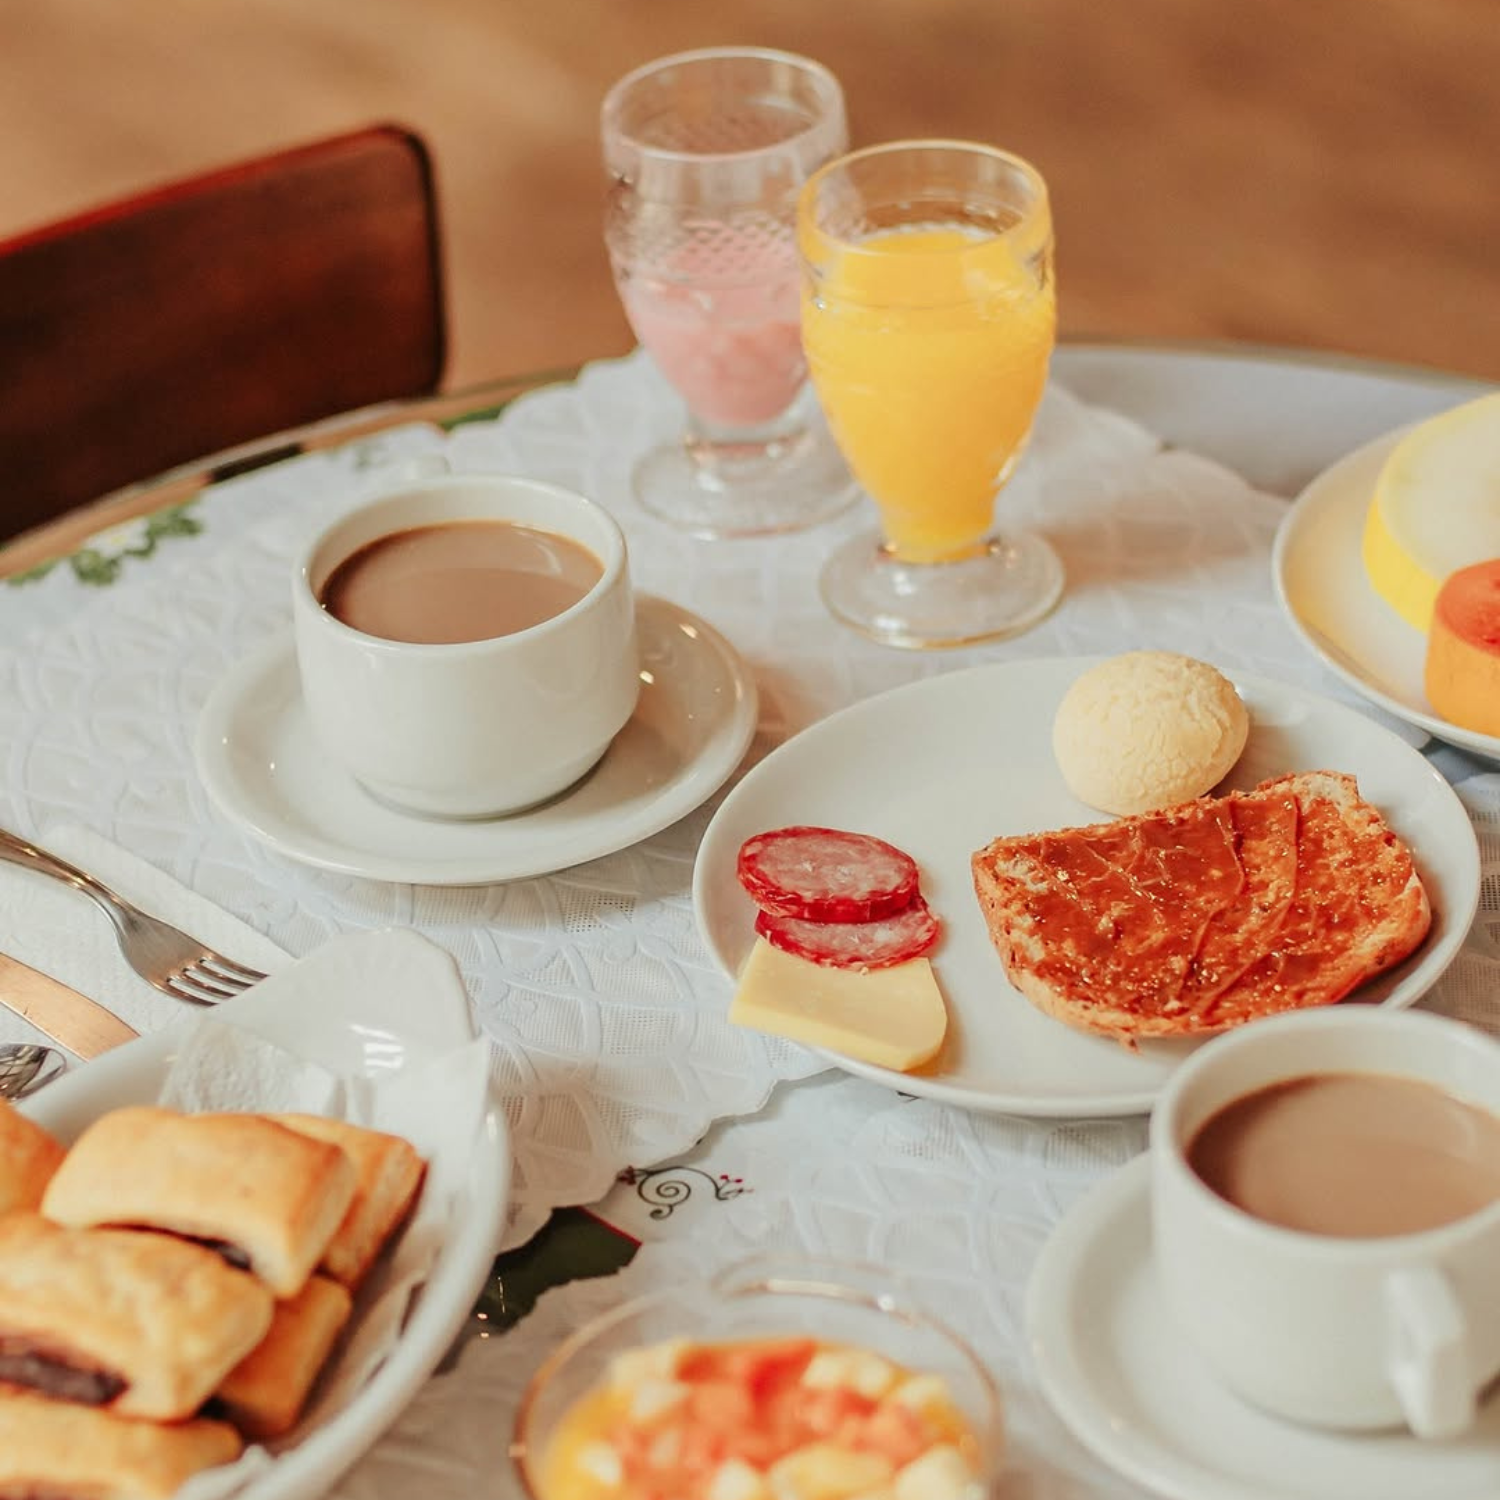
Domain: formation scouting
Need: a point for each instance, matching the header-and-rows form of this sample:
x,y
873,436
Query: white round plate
x,y
261,764
348,1007
1319,575
1112,1364
942,766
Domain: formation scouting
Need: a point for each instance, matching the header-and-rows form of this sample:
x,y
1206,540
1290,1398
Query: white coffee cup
x,y
474,728
1329,1331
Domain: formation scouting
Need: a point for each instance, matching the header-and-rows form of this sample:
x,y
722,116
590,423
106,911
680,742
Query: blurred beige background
x,y
1309,172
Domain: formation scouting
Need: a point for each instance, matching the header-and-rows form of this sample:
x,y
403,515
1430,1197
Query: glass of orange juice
x,y
928,319
791,1379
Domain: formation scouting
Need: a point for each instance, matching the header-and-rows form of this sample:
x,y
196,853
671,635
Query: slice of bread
x,y
1200,917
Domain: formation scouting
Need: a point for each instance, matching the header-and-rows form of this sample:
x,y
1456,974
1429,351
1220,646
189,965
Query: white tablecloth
x,y
605,1011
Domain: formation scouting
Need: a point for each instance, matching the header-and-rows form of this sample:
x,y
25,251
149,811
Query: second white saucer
x,y
263,768
1137,1394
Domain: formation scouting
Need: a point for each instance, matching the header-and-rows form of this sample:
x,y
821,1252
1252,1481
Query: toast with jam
x,y
1200,917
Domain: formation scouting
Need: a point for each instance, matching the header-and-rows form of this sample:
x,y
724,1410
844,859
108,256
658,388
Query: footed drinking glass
x,y
707,151
929,316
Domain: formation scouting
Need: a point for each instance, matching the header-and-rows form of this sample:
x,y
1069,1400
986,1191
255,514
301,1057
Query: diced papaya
x,y
896,1431
633,1443
753,1446
755,1364
827,1413
724,1405
703,1449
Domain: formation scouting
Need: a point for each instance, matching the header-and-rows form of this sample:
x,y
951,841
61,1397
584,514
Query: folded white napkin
x,y
60,931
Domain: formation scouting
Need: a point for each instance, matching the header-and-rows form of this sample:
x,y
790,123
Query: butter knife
x,y
81,1025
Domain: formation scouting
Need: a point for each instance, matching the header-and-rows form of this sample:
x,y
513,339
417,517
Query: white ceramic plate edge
x,y
1324,492
1048,1309
1055,1281
1110,1221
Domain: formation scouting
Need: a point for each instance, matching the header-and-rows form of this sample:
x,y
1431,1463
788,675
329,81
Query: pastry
x,y
28,1158
144,1324
264,1394
1200,917
48,1448
388,1175
1146,730
266,1197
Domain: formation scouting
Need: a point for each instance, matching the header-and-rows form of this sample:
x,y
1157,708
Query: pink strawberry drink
x,y
721,319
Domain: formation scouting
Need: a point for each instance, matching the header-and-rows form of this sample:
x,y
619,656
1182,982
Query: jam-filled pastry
x,y
264,1394
265,1197
48,1448
28,1158
143,1324
389,1173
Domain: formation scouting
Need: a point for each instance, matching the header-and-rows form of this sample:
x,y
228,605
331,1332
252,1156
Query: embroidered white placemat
x,y
605,1011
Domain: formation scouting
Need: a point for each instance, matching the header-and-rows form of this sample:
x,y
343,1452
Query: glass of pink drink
x,y
706,153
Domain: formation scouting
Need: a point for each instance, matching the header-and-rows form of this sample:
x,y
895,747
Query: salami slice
x,y
855,945
826,875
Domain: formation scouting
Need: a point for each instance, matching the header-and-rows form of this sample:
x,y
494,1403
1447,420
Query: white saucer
x,y
1136,1393
1318,570
261,765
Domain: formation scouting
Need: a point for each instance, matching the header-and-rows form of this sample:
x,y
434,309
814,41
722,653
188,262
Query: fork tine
x,y
205,978
189,985
228,970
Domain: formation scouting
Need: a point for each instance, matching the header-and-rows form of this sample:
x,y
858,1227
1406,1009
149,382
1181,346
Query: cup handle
x,y
1428,1352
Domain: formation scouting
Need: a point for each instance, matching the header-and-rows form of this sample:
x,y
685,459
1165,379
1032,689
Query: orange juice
x,y
929,348
760,1419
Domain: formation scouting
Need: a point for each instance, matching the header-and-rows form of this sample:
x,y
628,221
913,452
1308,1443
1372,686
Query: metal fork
x,y
163,955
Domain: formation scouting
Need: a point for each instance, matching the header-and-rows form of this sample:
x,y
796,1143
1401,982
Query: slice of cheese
x,y
1436,507
894,1018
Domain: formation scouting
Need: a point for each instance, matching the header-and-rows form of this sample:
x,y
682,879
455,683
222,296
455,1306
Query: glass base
x,y
1007,587
729,489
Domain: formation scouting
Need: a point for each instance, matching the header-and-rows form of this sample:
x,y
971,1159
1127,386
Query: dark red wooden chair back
x,y
194,318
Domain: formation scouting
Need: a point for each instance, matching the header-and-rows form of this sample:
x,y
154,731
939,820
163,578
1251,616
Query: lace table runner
x,y
957,1207
605,1011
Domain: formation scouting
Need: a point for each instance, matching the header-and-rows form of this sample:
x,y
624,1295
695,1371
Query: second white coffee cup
x,y
478,728
1334,1331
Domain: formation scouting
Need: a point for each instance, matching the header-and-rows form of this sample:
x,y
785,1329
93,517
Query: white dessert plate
x,y
1137,1394
348,1007
262,766
1319,575
942,766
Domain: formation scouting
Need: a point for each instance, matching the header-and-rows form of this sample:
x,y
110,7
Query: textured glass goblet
x,y
706,153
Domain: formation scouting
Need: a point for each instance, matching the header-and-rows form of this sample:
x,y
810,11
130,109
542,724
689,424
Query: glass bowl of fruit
x,y
776,1380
